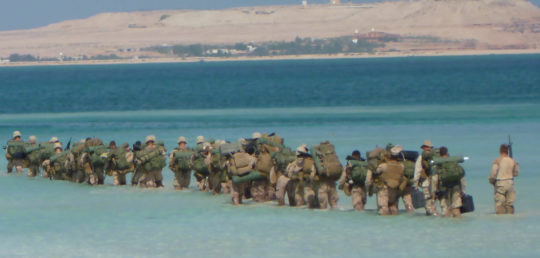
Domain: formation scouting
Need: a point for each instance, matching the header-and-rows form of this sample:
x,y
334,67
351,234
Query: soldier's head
x,y
302,150
356,154
200,139
150,140
395,152
182,141
32,139
112,145
443,151
57,147
54,139
503,149
256,135
17,136
207,147
427,145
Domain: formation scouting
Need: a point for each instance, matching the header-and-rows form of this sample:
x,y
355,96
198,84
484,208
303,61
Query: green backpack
x,y
450,173
183,160
359,170
96,152
200,166
33,154
427,157
409,171
283,158
59,162
218,161
16,149
47,150
326,161
120,159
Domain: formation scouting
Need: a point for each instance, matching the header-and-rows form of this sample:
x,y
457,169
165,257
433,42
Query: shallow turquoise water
x,y
51,218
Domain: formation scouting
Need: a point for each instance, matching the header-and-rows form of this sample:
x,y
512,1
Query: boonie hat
x,y
150,138
57,146
396,150
200,139
32,139
256,135
54,139
427,143
17,134
182,139
301,149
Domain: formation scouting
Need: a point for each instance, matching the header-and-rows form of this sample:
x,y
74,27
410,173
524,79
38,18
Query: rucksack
x,y
152,159
16,149
359,170
59,162
264,163
449,171
218,161
283,158
409,171
183,160
376,157
33,154
95,155
47,151
326,161
240,164
120,159
427,157
199,164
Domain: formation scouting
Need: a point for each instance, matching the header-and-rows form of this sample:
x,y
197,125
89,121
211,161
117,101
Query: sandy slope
x,y
497,23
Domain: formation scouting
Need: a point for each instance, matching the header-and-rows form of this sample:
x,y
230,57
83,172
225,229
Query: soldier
x,y
15,153
389,181
450,196
33,157
201,163
152,160
47,153
503,171
264,164
138,170
93,161
302,173
239,189
423,177
179,164
353,180
57,165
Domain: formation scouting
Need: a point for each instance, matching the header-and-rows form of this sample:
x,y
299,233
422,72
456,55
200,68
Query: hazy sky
x,y
25,14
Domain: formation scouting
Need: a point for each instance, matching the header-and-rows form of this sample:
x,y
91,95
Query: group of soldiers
x,y
265,169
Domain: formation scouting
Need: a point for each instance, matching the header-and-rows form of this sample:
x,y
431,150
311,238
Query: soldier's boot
x,y
9,167
456,212
510,209
499,209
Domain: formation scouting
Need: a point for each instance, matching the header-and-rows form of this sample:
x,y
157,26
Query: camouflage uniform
x,y
357,190
503,171
389,180
421,178
182,178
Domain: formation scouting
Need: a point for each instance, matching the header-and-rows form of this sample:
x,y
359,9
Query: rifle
x,y
510,147
69,144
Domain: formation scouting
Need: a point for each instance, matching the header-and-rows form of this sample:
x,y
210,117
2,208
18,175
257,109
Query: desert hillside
x,y
495,24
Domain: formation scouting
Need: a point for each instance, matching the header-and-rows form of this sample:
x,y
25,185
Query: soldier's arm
x,y
463,185
313,172
380,169
171,161
494,169
369,178
515,171
343,177
418,171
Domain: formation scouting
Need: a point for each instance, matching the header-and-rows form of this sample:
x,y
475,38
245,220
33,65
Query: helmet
x,y
150,138
17,134
200,139
32,139
256,135
54,139
57,146
182,139
301,149
396,150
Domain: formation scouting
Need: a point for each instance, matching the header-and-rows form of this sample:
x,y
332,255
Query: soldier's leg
x,y
510,199
299,193
407,199
430,200
185,178
18,166
332,195
500,199
456,201
258,190
270,192
10,166
358,197
136,176
177,180
158,177
33,170
122,178
100,174
322,195
382,201
393,200
281,188
310,195
237,193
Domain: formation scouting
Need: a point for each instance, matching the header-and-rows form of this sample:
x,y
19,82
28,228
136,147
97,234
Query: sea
x,y
470,104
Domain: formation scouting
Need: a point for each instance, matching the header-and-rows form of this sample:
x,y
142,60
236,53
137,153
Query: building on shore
x,y
375,36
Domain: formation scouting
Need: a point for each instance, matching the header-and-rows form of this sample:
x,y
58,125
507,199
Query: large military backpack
x,y
449,171
33,154
359,171
283,158
47,151
96,153
240,164
393,176
376,157
16,149
152,159
183,160
264,163
409,171
120,159
59,162
78,148
218,160
427,157
326,161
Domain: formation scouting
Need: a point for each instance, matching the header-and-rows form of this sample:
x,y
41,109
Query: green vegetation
x,y
22,58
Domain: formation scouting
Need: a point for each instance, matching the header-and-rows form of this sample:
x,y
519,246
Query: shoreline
x,y
277,58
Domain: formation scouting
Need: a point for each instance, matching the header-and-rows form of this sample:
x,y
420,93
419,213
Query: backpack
x,y
95,155
59,162
264,163
183,160
152,158
283,158
199,164
33,154
449,171
409,171
120,159
47,151
16,149
427,157
218,161
359,170
240,164
376,157
326,161
230,148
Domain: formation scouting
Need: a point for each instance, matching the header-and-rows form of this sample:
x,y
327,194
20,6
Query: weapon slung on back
x,y
510,147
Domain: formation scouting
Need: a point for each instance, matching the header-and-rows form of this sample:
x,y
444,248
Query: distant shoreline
x,y
276,58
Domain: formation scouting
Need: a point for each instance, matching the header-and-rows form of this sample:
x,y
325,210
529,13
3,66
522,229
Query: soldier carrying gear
x,y
503,171
32,156
423,177
353,180
450,188
180,164
15,153
390,183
